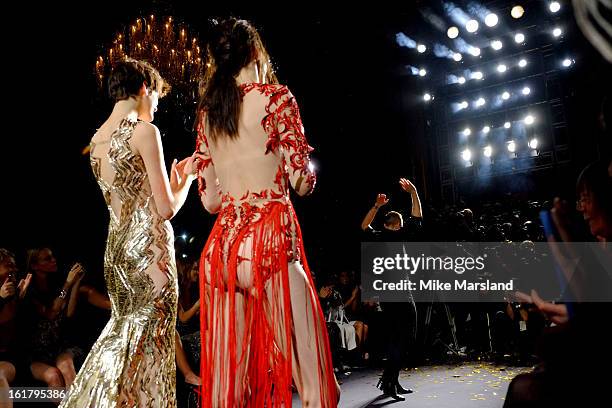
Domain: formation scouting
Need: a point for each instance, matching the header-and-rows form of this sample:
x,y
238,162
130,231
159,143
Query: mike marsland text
x,y
437,285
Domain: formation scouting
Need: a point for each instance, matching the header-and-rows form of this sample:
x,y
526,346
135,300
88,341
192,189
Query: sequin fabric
x,y
132,364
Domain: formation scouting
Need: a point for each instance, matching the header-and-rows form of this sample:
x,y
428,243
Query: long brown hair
x,y
233,45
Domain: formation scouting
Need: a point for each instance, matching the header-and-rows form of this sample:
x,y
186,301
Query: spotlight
x,y
466,155
511,146
486,129
422,72
533,143
567,62
480,101
463,105
457,56
487,151
554,6
519,38
501,68
507,125
526,90
184,236
184,256
427,97
522,63
529,120
421,48
506,95
491,20
471,26
557,32
461,80
517,12
475,51
497,45
452,32
467,132
477,75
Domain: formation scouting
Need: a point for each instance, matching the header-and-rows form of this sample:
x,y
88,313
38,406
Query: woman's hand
x,y
23,285
183,171
76,273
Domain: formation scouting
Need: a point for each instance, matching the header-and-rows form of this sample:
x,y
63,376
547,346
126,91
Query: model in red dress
x,y
261,321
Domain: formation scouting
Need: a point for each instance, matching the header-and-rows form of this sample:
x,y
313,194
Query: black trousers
x,y
401,322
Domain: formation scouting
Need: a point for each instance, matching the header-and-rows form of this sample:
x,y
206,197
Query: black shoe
x,y
401,390
388,390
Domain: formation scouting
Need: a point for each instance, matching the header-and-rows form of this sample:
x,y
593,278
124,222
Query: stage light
x,y
526,90
529,120
506,95
488,151
511,146
496,45
486,129
522,63
422,72
427,97
554,6
477,75
475,51
533,143
517,12
457,56
480,101
421,48
491,20
184,256
557,32
452,32
463,105
507,125
471,26
467,132
519,38
311,167
466,155
501,68
461,80
567,62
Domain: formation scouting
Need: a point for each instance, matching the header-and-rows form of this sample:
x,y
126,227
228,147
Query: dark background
x,y
365,119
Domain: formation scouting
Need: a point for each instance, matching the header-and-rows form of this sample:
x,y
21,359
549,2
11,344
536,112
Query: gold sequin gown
x,y
132,364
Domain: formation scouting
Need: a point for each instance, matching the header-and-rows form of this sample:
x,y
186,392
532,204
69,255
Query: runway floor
x,y
470,384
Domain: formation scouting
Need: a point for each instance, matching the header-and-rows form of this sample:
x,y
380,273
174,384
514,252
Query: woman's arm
x,y
208,183
186,315
169,194
381,200
95,298
285,130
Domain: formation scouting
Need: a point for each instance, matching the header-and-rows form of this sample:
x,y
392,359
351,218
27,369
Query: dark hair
x,y
5,254
233,45
393,217
127,77
595,180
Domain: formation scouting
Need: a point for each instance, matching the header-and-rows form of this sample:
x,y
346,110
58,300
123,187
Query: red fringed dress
x,y
261,321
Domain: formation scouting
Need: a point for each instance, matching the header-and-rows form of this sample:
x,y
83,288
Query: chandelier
x,y
169,47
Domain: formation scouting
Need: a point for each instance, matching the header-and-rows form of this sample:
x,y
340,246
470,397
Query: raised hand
x,y
23,285
76,273
381,199
407,185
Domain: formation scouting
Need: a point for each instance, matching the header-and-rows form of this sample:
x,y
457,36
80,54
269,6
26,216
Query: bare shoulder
x,y
145,132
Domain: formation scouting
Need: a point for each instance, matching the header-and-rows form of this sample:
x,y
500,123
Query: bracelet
x,y
63,293
376,208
